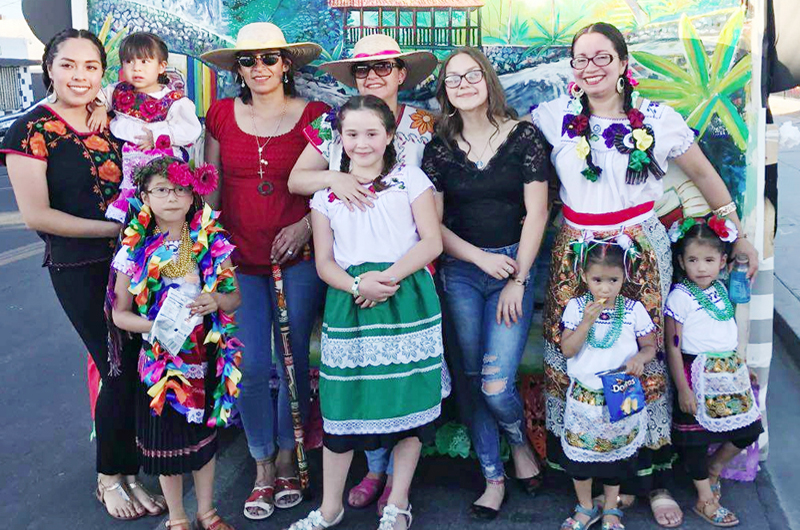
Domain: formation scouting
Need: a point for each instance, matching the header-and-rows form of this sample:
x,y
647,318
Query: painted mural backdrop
x,y
691,54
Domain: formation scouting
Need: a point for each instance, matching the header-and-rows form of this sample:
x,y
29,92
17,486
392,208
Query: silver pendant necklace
x,y
263,162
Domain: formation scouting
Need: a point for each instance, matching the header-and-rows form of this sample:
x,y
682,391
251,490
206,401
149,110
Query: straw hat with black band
x,y
378,47
263,36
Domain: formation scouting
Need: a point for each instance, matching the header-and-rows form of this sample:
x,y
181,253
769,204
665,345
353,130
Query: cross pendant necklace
x,y
263,162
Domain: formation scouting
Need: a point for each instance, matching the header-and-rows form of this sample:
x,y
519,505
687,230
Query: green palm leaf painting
x,y
703,88
111,43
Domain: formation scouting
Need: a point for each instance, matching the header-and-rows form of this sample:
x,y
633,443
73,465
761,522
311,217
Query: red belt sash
x,y
606,219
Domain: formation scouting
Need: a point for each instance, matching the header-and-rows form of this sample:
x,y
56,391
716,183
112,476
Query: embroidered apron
x,y
721,384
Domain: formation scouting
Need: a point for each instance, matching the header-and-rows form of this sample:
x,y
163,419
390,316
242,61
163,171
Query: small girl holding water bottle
x,y
714,400
602,331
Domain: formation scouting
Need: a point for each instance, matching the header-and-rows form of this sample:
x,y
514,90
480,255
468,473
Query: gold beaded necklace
x,y
185,263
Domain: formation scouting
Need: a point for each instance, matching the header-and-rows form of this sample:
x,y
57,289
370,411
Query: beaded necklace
x,y
185,262
616,325
721,315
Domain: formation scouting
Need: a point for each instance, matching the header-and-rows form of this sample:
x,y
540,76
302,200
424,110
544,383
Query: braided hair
x,y
618,41
382,110
54,44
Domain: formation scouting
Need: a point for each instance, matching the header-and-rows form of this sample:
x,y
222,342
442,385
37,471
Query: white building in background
x,y
20,66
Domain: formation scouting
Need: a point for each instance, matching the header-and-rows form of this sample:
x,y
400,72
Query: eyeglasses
x,y
454,80
601,59
267,59
381,69
179,191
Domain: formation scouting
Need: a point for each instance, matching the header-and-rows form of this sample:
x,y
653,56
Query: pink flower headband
x,y
203,179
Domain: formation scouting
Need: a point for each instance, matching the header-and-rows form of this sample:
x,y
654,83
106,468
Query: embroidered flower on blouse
x,y
422,121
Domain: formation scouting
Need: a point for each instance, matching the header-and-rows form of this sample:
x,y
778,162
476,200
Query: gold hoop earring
x,y
621,85
576,91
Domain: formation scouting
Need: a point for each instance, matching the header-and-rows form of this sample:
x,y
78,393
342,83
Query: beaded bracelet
x,y
354,287
725,211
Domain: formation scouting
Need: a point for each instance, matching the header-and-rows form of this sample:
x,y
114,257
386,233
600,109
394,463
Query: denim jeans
x,y
258,317
380,461
490,353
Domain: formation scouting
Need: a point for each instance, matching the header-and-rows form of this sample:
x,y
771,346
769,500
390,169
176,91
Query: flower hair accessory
x,y
202,179
724,228
580,247
586,241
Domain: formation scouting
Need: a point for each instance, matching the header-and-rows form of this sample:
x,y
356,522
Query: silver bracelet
x,y
308,223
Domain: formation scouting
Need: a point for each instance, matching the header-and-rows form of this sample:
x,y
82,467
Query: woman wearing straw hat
x,y
254,140
379,68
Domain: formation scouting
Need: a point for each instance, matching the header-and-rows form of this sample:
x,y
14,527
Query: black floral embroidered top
x,y
83,178
485,207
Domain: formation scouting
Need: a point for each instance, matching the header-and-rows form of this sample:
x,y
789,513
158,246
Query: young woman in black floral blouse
x,y
491,174
64,176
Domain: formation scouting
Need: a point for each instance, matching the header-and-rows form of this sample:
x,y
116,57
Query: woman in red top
x,y
254,140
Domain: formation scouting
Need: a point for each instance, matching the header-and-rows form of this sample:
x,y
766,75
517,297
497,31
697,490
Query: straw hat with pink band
x,y
263,36
378,47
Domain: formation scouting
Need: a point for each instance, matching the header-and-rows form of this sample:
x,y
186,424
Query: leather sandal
x,y
216,522
369,489
179,522
119,488
157,500
390,514
261,498
288,493
721,517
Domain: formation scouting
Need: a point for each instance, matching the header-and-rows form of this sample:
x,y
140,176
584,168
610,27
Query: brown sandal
x,y
102,490
179,522
217,522
157,500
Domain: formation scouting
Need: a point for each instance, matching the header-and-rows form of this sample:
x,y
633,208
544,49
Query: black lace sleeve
x,y
433,159
535,151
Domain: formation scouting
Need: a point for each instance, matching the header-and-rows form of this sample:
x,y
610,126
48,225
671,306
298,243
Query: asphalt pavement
x,y
48,460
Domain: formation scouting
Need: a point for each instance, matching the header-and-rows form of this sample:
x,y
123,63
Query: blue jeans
x,y
380,461
490,353
258,317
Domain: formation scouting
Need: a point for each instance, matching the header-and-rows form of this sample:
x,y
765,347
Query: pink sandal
x,y
384,500
369,490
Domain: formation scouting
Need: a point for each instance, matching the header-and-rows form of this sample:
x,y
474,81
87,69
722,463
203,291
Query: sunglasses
x,y
267,59
381,69
454,80
601,59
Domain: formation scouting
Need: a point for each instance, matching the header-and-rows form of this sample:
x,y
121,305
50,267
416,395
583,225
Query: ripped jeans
x,y
490,353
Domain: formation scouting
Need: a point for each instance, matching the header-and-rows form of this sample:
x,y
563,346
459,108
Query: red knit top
x,y
253,218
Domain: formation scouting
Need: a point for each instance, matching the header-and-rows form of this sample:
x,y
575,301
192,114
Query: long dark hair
x,y
618,41
145,45
382,110
701,233
51,50
450,125
289,89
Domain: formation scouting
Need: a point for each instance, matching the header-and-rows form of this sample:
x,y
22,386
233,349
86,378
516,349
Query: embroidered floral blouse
x,y
610,193
83,178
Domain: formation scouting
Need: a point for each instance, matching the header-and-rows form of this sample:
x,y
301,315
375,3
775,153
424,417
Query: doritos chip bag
x,y
624,394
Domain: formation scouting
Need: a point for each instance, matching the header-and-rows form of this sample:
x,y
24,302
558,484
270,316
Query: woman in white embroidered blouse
x,y
610,150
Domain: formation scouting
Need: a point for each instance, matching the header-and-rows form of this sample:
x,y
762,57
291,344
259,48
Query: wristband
x,y
308,223
354,287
